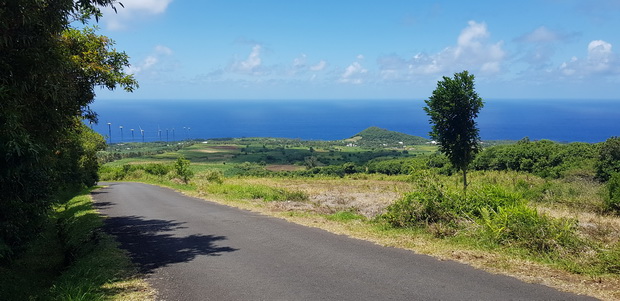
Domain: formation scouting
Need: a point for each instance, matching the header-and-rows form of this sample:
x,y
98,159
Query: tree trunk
x,y
465,180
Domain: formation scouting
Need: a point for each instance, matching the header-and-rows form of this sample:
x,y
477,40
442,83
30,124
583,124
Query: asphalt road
x,y
193,249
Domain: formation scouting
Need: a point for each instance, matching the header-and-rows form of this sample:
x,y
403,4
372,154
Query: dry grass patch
x,y
366,197
602,228
130,290
283,167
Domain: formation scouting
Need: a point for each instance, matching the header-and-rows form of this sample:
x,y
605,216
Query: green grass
x,y
344,216
72,260
253,192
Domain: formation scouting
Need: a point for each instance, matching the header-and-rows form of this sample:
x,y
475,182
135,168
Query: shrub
x,y
502,215
181,167
608,159
213,176
521,226
612,202
543,158
157,169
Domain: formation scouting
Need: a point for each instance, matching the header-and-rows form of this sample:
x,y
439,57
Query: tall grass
x,y
496,214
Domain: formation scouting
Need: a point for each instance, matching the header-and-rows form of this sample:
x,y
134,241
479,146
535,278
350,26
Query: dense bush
x,y
212,176
389,167
501,215
157,169
50,70
133,171
405,166
612,202
544,158
523,227
437,204
608,158
182,169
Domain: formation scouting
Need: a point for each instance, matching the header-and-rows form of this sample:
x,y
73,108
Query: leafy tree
x,y
49,74
608,159
453,108
612,203
311,162
544,158
181,166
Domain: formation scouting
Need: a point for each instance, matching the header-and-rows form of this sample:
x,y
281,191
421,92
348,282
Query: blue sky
x,y
392,49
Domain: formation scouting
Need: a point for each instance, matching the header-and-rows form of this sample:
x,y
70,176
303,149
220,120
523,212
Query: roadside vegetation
x,y
72,259
543,205
52,62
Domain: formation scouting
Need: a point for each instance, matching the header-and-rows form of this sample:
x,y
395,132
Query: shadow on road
x,y
152,243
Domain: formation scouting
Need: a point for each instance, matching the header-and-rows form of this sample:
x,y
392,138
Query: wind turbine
x,y
110,132
142,132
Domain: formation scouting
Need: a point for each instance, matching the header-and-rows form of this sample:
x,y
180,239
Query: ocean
x,y
169,120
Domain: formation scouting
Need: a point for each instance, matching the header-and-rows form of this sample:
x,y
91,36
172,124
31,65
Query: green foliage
x,y
71,259
433,203
612,202
157,169
523,227
134,171
544,158
608,158
181,167
49,74
212,176
501,215
255,191
311,162
389,166
609,260
116,152
378,137
452,109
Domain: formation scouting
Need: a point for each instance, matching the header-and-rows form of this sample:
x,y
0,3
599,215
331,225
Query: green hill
x,y
378,137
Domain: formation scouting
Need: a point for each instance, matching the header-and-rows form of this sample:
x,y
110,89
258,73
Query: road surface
x,y
193,249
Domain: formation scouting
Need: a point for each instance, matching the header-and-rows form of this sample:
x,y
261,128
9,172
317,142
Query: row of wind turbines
x,y
159,132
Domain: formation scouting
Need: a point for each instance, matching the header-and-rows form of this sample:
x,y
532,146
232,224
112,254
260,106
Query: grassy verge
x,y
72,260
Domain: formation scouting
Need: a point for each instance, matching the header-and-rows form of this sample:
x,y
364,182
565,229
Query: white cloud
x,y
472,52
160,49
318,67
536,48
298,65
540,35
600,60
600,56
132,10
251,65
149,64
300,61
354,74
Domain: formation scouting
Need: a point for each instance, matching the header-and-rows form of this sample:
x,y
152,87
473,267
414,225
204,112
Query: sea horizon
x,y
572,120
